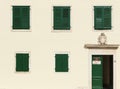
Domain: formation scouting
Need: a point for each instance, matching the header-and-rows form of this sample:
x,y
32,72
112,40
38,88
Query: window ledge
x,y
57,31
21,30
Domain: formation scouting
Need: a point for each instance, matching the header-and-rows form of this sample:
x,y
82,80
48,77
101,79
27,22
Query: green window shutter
x,y
66,18
25,62
19,62
57,17
25,17
22,62
58,63
21,17
98,17
16,17
61,18
65,63
107,17
61,62
97,72
102,17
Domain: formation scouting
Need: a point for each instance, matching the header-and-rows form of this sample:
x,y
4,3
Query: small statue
x,y
102,39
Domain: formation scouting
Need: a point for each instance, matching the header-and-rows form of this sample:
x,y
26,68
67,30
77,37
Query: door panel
x,y
96,83
97,72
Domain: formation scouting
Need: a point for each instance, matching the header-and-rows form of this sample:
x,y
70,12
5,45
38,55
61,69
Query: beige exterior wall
x,y
42,43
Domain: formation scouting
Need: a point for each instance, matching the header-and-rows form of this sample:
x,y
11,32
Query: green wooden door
x,y
97,72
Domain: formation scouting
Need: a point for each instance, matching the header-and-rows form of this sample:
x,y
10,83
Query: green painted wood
x,y
22,62
57,18
58,62
66,18
61,62
21,17
102,17
65,63
25,17
97,84
61,18
19,62
97,72
107,17
25,62
16,17
98,18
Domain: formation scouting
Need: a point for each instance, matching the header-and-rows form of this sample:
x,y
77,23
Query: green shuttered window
x,y
61,62
102,17
22,62
61,18
21,17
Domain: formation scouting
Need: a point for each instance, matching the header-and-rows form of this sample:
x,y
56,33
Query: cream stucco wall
x,y
42,43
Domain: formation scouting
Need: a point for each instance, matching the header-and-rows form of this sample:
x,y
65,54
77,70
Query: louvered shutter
x,y
16,17
57,18
66,18
19,62
98,17
61,18
58,62
21,17
97,72
61,62
65,62
107,17
25,62
25,17
22,62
